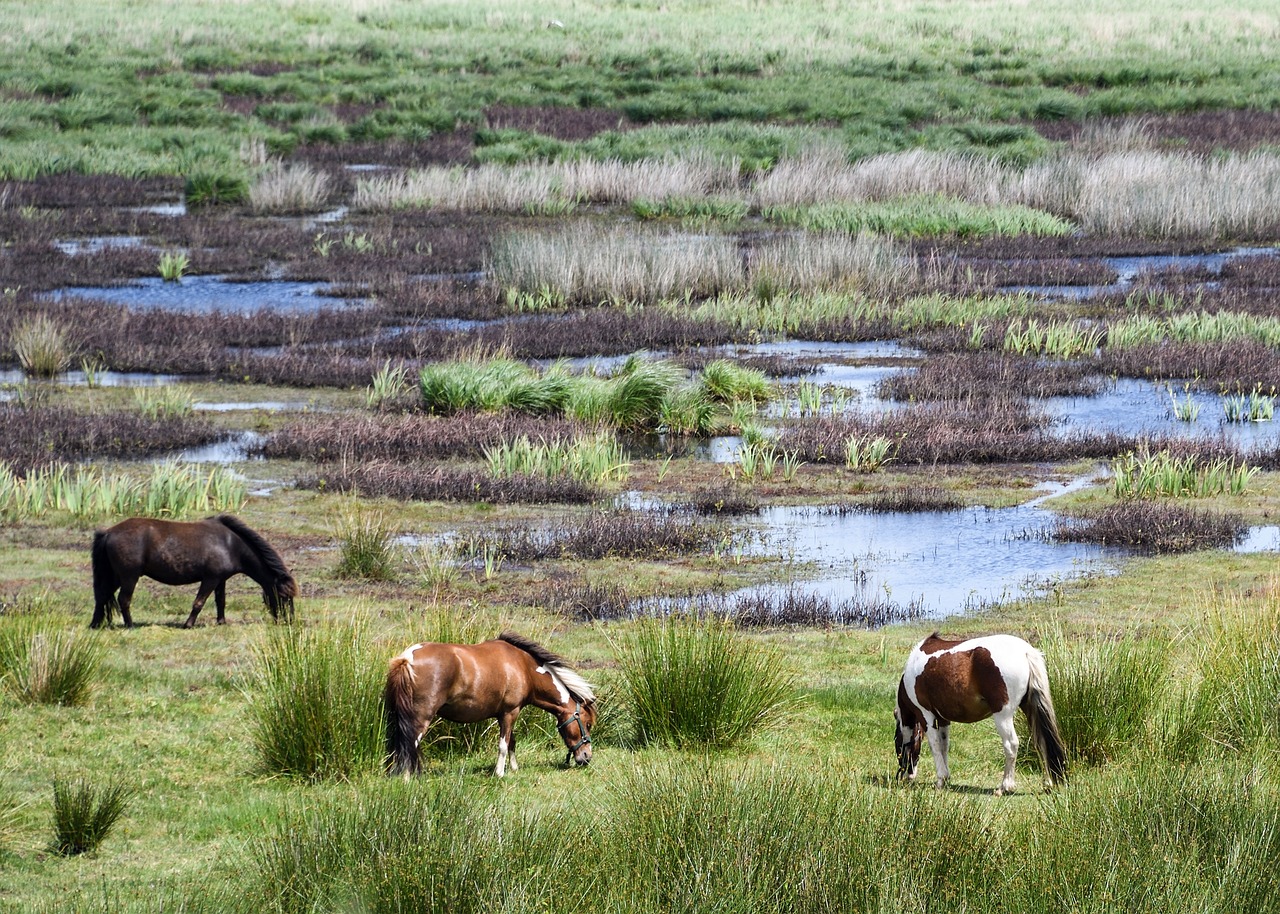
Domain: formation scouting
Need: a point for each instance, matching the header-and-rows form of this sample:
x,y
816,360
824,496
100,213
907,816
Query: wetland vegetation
x,y
720,347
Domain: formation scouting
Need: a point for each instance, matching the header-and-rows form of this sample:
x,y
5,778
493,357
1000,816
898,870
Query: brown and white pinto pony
x,y
465,683
205,552
967,681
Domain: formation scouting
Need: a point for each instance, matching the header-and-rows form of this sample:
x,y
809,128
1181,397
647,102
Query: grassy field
x,y
528,141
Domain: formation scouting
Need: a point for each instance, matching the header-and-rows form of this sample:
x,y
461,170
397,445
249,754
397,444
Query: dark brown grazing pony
x,y
465,683
207,551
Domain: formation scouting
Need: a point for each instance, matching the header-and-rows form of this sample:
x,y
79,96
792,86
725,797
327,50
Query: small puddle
x,y
235,449
1129,269
1135,407
78,246
100,378
206,294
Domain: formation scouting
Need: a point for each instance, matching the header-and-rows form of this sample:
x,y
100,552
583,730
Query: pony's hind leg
x,y
1009,740
125,599
220,601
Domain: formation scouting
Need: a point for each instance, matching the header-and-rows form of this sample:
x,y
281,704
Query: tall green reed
x,y
315,709
695,682
1105,691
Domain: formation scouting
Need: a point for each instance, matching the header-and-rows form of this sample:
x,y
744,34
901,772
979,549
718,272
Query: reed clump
x,y
315,708
84,813
694,682
426,482
288,189
44,662
624,533
42,346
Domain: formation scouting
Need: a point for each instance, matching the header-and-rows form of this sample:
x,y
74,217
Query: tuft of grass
x,y
207,187
173,264
44,662
1104,690
84,814
695,682
315,710
42,346
288,189
165,402
366,546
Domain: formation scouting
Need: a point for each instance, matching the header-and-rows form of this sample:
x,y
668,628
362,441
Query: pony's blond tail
x,y
402,724
1038,706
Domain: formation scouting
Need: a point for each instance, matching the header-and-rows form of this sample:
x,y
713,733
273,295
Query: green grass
x,y
689,682
315,711
84,813
914,217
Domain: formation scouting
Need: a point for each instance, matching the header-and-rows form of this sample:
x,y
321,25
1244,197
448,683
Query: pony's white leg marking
x,y
501,770
1008,739
938,739
560,686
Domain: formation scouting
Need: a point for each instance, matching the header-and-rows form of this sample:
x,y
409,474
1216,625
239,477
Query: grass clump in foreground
x,y
84,814
44,662
315,709
695,682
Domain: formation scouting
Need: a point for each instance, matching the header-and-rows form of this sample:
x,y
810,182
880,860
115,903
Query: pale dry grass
x,y
281,188
543,186
821,175
1163,195
586,264
833,262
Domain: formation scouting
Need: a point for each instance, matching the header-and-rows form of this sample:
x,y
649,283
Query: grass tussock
x,y
689,682
285,189
44,662
366,546
1104,690
315,708
85,812
42,346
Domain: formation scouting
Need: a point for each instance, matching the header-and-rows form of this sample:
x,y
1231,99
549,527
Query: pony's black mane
x,y
270,558
534,649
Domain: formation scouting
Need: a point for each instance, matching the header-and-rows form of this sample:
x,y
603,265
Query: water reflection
x,y
1129,269
946,561
206,294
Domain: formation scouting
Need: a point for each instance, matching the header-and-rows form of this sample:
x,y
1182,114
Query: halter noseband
x,y
586,737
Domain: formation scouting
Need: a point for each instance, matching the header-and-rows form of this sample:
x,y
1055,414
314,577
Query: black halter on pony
x,y
582,730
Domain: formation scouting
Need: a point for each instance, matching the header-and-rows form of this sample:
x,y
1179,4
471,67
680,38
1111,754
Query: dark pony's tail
x,y
402,725
282,588
1038,706
104,579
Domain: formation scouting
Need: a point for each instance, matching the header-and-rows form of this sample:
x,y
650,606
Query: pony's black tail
x,y
1038,706
280,588
402,724
104,580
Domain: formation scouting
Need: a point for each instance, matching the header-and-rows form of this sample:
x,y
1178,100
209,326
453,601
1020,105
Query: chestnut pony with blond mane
x,y
971,680
465,683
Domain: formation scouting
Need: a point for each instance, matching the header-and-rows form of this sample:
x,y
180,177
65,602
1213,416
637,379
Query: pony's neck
x,y
549,692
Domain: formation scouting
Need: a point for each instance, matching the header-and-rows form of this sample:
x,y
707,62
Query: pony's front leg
x,y
939,741
506,742
206,588
1009,740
